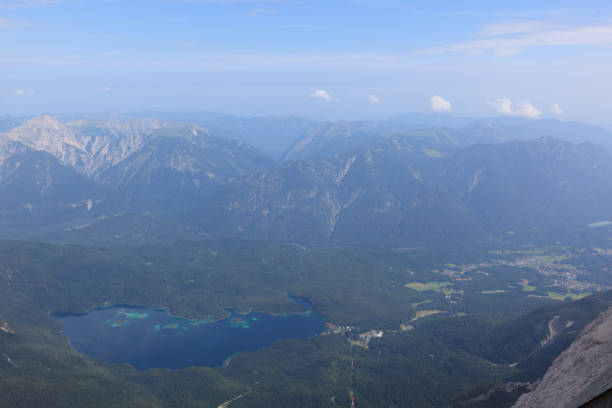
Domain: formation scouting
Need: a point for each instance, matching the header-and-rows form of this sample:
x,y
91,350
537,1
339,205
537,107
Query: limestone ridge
x,y
347,183
89,147
579,374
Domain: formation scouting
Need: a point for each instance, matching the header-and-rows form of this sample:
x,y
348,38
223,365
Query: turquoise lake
x,y
151,338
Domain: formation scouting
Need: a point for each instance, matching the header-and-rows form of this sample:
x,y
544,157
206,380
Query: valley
x,y
363,289
445,270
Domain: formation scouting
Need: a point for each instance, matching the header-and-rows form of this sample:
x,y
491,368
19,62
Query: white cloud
x,y
373,99
556,109
503,41
322,94
439,104
6,23
523,108
302,26
513,27
107,88
261,11
218,1
19,92
503,105
506,52
16,4
526,108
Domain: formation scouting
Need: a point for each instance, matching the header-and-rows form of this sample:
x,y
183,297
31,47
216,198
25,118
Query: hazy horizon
x,y
351,117
363,59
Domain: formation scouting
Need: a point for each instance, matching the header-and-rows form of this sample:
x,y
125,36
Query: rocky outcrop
x,y
580,373
86,146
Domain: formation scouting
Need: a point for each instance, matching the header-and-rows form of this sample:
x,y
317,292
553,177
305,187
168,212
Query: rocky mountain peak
x,y
580,373
43,121
88,146
41,129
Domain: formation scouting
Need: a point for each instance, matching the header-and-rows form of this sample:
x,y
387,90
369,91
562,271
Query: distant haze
x,y
329,60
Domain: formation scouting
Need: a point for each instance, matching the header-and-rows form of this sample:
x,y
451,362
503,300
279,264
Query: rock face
x,y
86,146
580,374
347,183
328,139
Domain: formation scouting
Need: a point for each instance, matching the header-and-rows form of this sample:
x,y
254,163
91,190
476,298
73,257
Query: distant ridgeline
x,y
402,182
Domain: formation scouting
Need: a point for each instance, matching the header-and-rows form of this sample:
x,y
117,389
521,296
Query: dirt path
x,y
227,403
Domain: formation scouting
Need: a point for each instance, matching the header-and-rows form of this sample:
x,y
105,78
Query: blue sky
x,y
329,59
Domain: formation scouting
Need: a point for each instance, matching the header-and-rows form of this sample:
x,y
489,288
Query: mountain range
x,y
477,249
343,183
